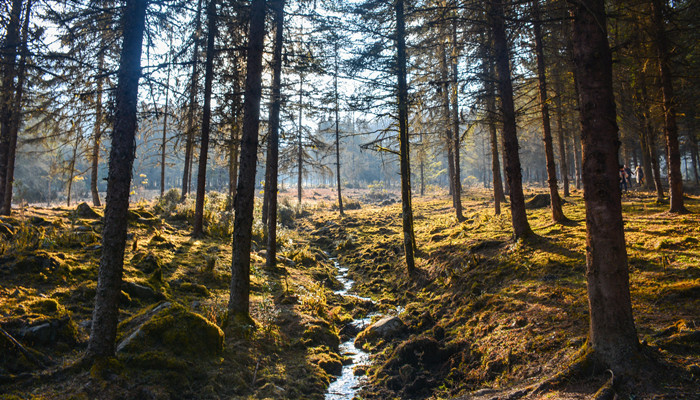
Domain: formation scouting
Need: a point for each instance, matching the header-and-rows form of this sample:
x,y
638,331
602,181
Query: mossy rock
x,y
330,362
156,360
85,211
320,333
170,327
195,288
44,306
38,262
539,201
146,262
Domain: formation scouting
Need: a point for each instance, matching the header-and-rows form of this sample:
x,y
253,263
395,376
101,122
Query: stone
x,y
539,201
170,327
85,211
142,292
385,328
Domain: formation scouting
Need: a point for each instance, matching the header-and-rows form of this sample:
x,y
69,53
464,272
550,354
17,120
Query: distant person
x,y
639,172
623,179
628,173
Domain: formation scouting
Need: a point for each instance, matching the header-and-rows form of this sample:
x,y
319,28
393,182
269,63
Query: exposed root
x,y
607,391
584,362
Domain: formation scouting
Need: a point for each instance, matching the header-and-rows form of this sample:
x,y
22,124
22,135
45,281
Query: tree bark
x,y
521,228
272,167
300,155
239,301
612,334
449,137
121,160
337,133
9,58
673,154
189,142
165,125
97,130
198,226
16,120
409,240
454,100
563,163
557,213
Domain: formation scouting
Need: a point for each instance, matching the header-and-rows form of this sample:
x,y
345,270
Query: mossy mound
x,y
540,200
146,262
170,327
85,211
319,332
39,262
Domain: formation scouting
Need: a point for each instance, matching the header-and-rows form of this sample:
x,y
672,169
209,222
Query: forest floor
x,y
484,317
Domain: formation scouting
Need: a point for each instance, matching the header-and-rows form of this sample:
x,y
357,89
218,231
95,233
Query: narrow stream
x,y
347,384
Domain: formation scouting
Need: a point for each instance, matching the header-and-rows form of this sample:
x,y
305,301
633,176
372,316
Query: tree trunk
x,y
490,100
454,99
409,239
121,160
273,138
97,130
300,155
9,57
557,213
563,163
673,154
239,300
17,111
612,335
521,228
337,133
198,226
189,142
71,169
449,138
165,125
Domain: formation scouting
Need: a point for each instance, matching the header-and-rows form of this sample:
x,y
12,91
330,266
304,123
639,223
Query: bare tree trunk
x,y
121,160
563,164
612,335
521,228
557,213
165,125
198,226
9,57
337,133
454,99
449,137
97,130
189,142
409,239
17,111
300,156
239,301
272,166
673,154
71,169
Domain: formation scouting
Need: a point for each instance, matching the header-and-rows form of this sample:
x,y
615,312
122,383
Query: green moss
x,y
102,368
44,306
195,288
157,360
179,331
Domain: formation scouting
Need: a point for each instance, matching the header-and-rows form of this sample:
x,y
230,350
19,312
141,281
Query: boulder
x,y
385,328
539,201
142,292
171,328
85,211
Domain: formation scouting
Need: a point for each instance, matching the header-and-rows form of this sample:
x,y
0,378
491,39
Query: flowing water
x,y
347,384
